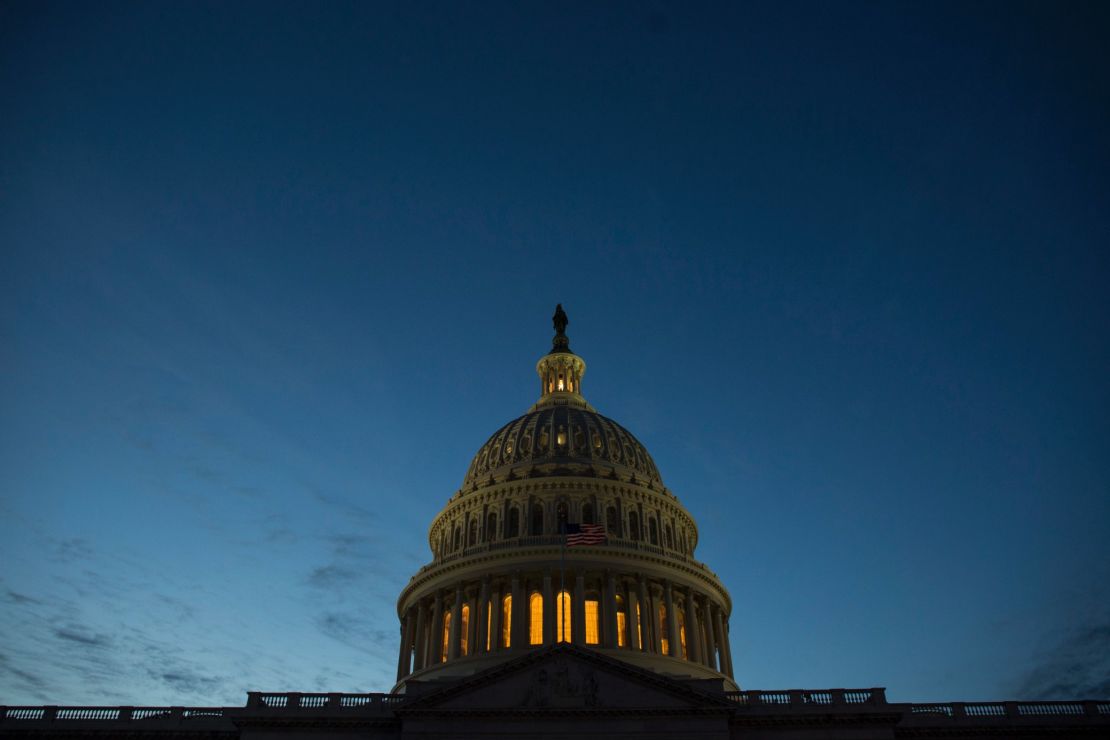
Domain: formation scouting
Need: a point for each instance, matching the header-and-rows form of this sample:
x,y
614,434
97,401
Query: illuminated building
x,y
509,633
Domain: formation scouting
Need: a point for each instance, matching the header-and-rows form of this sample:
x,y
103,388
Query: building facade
x,y
563,599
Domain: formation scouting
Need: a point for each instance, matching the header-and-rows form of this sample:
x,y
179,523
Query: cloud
x,y
77,635
355,631
331,576
18,598
1077,667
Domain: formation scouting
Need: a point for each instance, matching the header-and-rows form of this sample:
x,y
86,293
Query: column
x,y
406,645
434,640
482,621
495,619
456,619
726,647
647,619
518,632
722,640
710,635
609,611
672,621
472,624
693,634
578,608
549,635
421,639
631,601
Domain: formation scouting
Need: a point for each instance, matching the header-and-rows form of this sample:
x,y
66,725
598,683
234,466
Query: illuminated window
x,y
665,643
592,632
535,619
562,619
446,636
622,622
506,620
489,626
560,385
639,628
464,630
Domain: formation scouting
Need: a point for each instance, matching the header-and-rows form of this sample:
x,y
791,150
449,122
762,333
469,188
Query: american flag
x,y
585,534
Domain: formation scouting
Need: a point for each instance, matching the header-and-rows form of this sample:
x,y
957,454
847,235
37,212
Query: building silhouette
x,y
563,599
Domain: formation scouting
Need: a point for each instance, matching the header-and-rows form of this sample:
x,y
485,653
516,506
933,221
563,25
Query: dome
x,y
561,440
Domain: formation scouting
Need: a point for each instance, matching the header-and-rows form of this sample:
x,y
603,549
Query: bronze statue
x,y
560,319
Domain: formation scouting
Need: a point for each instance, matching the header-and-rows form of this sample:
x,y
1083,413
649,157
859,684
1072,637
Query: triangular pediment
x,y
564,678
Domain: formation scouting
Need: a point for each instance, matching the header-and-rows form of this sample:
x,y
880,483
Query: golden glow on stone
x,y
489,625
446,636
664,642
639,628
464,631
506,620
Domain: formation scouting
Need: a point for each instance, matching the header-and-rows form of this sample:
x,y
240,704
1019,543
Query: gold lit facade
x,y
498,552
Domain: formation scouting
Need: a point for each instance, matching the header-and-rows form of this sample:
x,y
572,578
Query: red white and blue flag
x,y
585,534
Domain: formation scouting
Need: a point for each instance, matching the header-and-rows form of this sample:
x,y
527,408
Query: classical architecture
x,y
563,599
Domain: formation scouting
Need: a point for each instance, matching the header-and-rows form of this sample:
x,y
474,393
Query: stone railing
x,y
118,714
297,700
804,697
555,540
1012,709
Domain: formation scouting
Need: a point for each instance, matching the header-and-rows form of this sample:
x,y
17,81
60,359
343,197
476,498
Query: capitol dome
x,y
563,531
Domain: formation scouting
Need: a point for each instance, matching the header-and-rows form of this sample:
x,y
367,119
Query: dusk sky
x,y
271,273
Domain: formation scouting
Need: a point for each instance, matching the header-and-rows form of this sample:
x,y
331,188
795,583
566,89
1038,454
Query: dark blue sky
x,y
272,273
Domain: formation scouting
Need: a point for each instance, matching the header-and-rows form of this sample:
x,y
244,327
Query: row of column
x,y
704,624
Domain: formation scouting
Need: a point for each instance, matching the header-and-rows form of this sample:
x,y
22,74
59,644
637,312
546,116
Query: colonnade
x,y
529,609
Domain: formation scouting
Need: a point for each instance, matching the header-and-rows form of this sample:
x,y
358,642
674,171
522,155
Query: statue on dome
x,y
560,319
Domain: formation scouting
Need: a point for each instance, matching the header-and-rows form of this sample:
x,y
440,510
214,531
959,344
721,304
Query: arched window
x,y
491,527
622,622
506,620
587,513
670,537
611,522
514,523
458,539
562,618
535,619
537,519
464,631
593,626
446,636
633,526
561,515
664,642
653,531
472,537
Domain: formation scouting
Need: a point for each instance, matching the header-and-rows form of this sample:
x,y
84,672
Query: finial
x,y
560,343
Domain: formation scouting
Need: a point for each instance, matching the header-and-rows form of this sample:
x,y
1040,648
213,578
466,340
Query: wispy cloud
x,y
1077,666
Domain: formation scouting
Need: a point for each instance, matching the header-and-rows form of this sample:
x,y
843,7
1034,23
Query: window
x,y
535,619
561,515
446,636
506,620
472,538
587,514
653,530
633,526
665,644
562,619
537,519
670,537
611,521
593,633
491,527
622,622
514,523
458,539
464,631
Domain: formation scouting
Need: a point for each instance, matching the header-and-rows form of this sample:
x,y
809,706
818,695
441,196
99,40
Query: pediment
x,y
564,678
